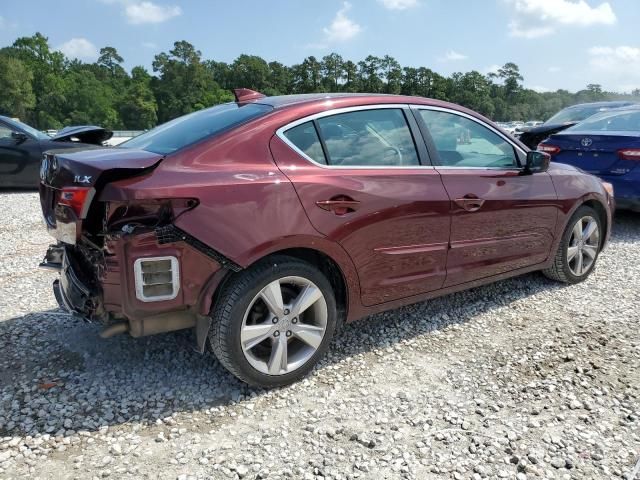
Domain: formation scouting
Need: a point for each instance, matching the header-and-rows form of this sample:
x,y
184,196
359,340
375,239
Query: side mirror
x,y
19,137
537,162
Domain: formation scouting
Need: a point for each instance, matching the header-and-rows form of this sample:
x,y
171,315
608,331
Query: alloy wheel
x,y
284,325
583,245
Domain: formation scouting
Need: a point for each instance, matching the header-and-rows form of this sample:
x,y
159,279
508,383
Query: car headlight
x,y
608,187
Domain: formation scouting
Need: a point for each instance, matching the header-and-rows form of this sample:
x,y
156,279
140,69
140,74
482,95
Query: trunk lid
x,y
594,152
84,173
533,136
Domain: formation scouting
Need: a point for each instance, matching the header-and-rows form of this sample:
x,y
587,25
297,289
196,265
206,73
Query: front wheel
x,y
578,251
273,322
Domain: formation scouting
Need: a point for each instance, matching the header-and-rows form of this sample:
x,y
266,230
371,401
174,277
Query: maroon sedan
x,y
266,223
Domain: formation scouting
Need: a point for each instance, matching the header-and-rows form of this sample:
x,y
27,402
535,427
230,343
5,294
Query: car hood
x,y
557,166
89,134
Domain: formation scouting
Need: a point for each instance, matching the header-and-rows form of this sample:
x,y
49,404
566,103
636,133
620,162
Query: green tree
x,y
370,74
279,79
16,94
332,70
138,108
250,71
184,84
392,74
34,52
511,78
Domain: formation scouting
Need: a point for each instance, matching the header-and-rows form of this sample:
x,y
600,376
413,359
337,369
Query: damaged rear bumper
x,y
105,285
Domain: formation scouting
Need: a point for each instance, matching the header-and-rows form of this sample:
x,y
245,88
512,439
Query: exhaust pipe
x,y
115,329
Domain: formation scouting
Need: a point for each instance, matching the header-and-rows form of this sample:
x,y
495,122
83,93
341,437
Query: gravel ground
x,y
521,379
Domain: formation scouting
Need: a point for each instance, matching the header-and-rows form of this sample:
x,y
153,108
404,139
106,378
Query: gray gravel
x,y
521,379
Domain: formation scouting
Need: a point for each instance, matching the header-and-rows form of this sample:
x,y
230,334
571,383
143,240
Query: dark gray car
x,y
22,146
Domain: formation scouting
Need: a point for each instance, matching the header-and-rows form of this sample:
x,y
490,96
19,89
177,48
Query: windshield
x,y
183,131
611,121
29,130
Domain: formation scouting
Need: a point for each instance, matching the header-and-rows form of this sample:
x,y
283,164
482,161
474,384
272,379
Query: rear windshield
x,y
612,121
191,128
574,114
579,113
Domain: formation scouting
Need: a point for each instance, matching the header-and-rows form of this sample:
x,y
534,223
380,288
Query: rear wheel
x,y
273,322
578,251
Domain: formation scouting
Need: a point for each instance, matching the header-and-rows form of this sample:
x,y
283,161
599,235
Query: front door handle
x,y
470,202
339,205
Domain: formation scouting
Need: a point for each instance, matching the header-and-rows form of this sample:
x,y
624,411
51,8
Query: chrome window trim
x,y
327,113
479,122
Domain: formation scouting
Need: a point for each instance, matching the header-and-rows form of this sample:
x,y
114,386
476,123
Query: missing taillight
x,y
76,198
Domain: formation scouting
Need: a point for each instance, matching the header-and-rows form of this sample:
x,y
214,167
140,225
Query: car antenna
x,y
245,94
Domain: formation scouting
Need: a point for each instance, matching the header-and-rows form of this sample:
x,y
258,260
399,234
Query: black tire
x,y
560,269
235,298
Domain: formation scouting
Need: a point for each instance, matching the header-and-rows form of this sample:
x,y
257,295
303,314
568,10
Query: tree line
x,y
44,88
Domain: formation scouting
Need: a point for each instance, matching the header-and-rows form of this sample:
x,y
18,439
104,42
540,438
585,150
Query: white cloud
x,y
342,28
452,56
79,48
517,30
399,4
148,12
149,45
616,67
546,15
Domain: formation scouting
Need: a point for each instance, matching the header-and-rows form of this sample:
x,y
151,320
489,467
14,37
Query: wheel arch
x,y
327,256
602,214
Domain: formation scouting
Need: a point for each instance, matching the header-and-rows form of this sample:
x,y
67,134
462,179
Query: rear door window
x,y
368,138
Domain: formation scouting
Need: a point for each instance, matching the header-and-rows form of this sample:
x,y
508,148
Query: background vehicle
x,y
608,145
266,223
526,127
565,118
22,146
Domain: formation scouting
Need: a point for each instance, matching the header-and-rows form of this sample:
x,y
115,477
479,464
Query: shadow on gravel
x,y
57,376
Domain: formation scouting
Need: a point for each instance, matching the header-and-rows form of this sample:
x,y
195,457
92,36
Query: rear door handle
x,y
339,205
470,203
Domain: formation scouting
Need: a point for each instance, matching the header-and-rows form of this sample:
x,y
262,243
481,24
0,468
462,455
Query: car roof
x,y
284,101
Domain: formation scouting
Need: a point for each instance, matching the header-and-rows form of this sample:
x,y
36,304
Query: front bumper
x,y
626,189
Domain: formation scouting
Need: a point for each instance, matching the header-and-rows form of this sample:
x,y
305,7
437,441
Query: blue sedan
x,y
607,145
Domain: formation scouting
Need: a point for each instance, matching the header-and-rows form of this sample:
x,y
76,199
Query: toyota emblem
x,y
586,142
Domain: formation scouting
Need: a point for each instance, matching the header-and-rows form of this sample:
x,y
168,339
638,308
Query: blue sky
x,y
556,43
